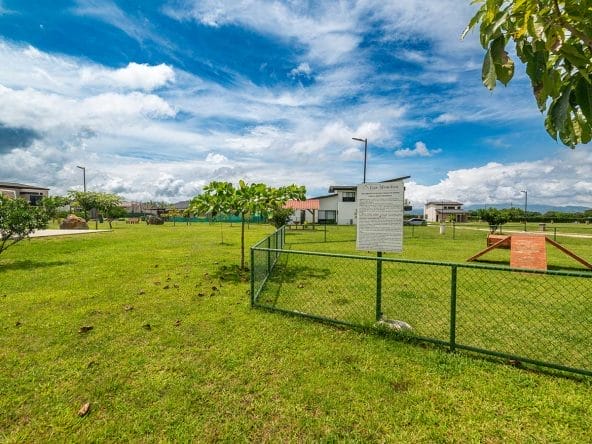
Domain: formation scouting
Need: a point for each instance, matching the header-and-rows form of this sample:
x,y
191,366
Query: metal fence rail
x,y
539,317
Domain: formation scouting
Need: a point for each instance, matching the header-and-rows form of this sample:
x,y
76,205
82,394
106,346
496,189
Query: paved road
x,y
47,233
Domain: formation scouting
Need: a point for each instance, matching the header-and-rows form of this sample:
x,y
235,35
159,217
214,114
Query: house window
x,y
327,216
349,196
35,199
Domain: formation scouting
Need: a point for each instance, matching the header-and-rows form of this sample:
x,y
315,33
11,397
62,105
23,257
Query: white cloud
x,y
446,118
107,11
420,150
216,158
559,181
329,32
352,154
302,69
134,76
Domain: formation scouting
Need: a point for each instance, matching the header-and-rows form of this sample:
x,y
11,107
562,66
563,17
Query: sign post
x,y
380,224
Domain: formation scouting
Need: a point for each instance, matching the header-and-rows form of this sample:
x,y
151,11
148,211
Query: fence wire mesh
x,y
538,317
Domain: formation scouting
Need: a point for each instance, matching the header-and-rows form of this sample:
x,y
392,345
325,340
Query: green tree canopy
x,y
553,39
107,204
224,198
493,217
52,204
18,219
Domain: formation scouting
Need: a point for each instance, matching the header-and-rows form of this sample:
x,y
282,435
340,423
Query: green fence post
x,y
268,254
453,308
252,277
554,233
378,286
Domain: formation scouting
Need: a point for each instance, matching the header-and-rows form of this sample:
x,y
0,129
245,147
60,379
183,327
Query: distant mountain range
x,y
531,207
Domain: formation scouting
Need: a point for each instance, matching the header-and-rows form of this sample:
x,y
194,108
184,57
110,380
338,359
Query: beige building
x,y
30,193
444,210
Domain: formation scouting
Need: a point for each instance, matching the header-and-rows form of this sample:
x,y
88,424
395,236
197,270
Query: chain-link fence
x,y
539,317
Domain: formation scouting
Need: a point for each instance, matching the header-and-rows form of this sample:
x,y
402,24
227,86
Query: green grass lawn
x,y
176,354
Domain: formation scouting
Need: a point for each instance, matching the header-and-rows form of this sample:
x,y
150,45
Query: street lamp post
x,y
83,185
525,206
83,176
365,153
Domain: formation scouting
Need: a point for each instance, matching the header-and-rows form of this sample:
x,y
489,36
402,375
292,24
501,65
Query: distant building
x,y
444,210
30,193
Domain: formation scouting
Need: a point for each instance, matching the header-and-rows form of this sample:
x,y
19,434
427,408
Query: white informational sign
x,y
380,216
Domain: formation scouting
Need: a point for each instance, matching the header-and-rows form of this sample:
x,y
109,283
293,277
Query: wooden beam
x,y
569,253
491,247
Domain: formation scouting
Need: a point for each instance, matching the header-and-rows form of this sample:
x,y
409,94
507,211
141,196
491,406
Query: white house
x,y
444,210
30,193
339,207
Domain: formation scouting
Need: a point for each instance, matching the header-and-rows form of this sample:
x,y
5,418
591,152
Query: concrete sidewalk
x,y
47,233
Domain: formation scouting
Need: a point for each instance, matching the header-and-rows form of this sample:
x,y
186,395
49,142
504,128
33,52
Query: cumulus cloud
x,y
216,158
558,181
302,69
134,76
420,150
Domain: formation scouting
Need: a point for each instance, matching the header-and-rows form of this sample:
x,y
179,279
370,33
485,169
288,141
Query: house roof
x,y
309,204
334,188
396,179
326,196
443,202
20,186
182,205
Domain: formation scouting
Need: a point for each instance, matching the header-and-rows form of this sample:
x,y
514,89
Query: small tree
x,y
52,204
493,217
217,198
172,213
18,219
105,203
280,216
109,206
223,197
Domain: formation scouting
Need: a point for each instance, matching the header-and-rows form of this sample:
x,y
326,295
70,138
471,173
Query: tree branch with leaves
x,y
553,39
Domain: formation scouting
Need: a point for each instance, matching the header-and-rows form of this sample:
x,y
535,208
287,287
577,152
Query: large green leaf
x,y
559,110
488,73
583,95
504,66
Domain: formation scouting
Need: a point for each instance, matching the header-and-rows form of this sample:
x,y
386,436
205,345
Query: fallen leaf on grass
x,y
156,282
84,409
128,307
147,327
141,292
177,323
200,294
176,285
91,364
17,324
85,328
166,287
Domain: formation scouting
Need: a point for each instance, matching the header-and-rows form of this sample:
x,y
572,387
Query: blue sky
x,y
158,98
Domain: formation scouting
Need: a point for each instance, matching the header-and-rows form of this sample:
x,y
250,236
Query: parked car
x,y
415,221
